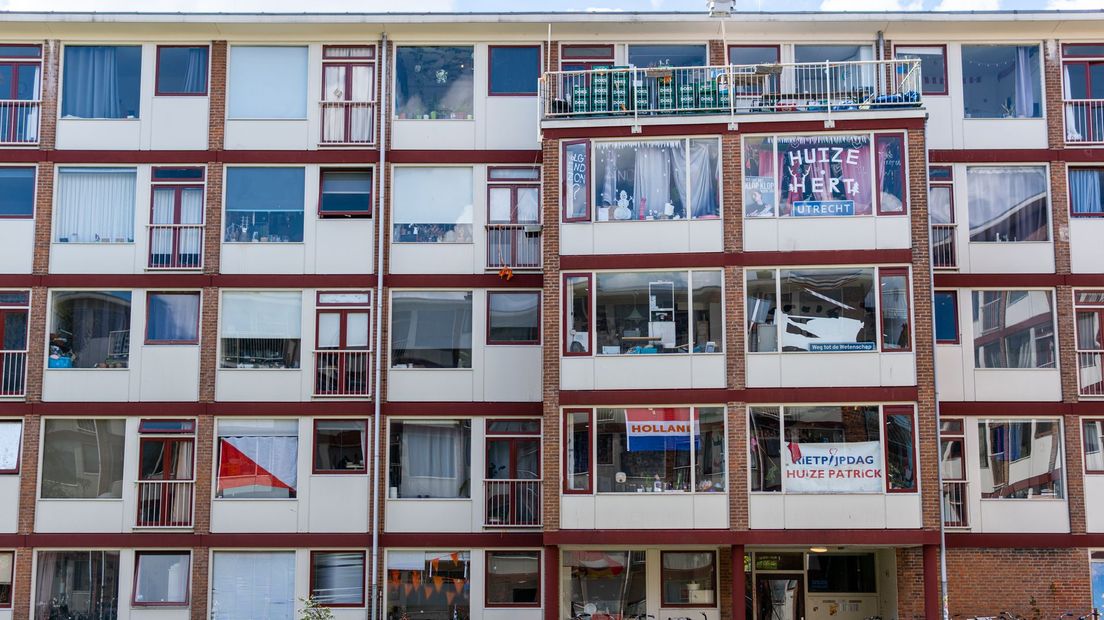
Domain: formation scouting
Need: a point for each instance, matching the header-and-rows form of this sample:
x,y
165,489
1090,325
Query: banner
x,y
825,175
833,467
657,429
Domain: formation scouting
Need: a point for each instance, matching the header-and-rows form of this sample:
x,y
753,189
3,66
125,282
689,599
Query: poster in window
x,y
826,175
576,181
854,467
759,196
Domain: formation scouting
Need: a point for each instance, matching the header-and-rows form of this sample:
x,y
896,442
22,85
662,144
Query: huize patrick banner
x,y
833,467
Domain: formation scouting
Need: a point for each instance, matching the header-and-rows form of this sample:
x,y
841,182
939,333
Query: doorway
x,y
780,596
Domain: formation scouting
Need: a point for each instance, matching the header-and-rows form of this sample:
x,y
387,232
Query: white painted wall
x,y
644,511
1086,250
826,233
842,511
17,251
617,372
1094,503
9,504
830,369
169,372
636,237
344,245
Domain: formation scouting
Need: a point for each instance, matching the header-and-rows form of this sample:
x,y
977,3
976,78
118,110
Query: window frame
x,y
18,447
565,192
513,185
487,581
40,483
199,323
590,62
957,324
296,363
879,174
470,292
892,272
229,86
393,104
1069,189
11,585
716,579
138,553
395,200
157,92
540,317
731,46
1084,444
591,459
34,194
348,63
109,169
363,573
389,435
947,184
490,70
51,305
946,61
362,215
566,341
890,411
216,470
226,206
1002,303
61,82
334,472
1046,170
990,423
1040,67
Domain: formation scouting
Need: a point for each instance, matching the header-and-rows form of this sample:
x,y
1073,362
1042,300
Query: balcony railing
x,y
176,246
13,373
944,250
348,122
826,87
165,503
955,502
19,122
342,373
1090,373
513,503
517,246
1085,121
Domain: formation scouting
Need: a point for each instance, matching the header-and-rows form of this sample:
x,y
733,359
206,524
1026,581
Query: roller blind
x,y
262,315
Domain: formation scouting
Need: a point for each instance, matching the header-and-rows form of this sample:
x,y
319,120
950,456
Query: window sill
x,y
402,369
81,499
412,243
85,369
656,355
649,493
264,243
299,120
97,243
254,499
262,369
1038,498
429,499
1016,369
81,118
431,120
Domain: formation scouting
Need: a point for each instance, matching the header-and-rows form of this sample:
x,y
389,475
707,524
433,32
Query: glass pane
x,y
951,460
162,578
90,329
765,461
101,81
173,317
264,204
824,175
762,299
828,310
707,304
333,83
1008,203
752,55
428,584
933,67
643,450
577,315
253,584
689,577
432,204
577,174
842,573
514,70
513,578
14,325
434,82
896,332
900,452
27,86
337,577
641,180
847,437
1022,459
705,175
891,173
1085,185
329,330
1093,433
498,206
1088,331
514,317
1013,329
431,329
642,313
946,316
613,583
430,459
346,192
95,205
257,461
267,82
82,459
339,445
77,584
528,205
940,205
672,55
182,70
356,329
10,438
1001,81
760,192
577,451
710,450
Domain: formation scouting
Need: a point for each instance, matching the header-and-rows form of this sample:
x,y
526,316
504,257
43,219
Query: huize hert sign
x,y
824,175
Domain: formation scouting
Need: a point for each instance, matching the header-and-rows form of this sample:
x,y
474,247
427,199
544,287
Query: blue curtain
x,y
1085,190
101,81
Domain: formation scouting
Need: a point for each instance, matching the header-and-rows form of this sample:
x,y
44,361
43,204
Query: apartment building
x,y
551,316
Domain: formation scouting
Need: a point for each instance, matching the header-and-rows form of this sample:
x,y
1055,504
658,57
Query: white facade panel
x,y
577,373
430,515
1086,250
246,384
432,385
1022,516
451,134
999,133
95,258
9,504
950,374
345,246
511,123
512,373
17,250
88,384
255,515
268,134
1027,257
179,123
1043,384
265,257
339,503
119,134
80,515
1094,503
438,258
169,373
577,512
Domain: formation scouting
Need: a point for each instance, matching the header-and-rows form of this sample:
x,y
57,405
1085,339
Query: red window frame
x,y
18,450
11,586
34,195
1085,445
197,294
366,215
954,306
716,568
177,186
348,304
1099,312
187,427
138,553
946,83
487,580
588,61
15,309
343,333
904,411
884,272
954,435
363,563
15,62
540,316
490,69
566,352
157,92
564,489
169,443
945,184
565,186
513,187
903,149
363,447
1069,191
490,433
349,62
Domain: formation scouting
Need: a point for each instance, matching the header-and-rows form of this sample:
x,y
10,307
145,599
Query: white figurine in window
x,y
622,212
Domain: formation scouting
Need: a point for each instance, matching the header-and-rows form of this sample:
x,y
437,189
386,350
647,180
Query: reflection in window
x,y
670,55
1085,187
89,329
514,69
1093,433
432,204
514,317
1097,564
428,584
827,310
689,578
765,447
339,446
612,583
513,578
257,459
1007,203
851,574
17,191
434,82
430,459
267,82
337,577
1001,81
946,316
172,317
654,312
933,66
261,329
264,205
657,180
900,453
577,451
1020,459
431,329
577,314
1013,329
82,459
162,577
77,584
181,70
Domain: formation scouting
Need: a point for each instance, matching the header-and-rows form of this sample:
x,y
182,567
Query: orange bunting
x,y
416,578
427,590
455,555
438,581
449,596
434,563
458,584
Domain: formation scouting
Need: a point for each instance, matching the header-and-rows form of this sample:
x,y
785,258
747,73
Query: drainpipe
x,y
879,55
375,470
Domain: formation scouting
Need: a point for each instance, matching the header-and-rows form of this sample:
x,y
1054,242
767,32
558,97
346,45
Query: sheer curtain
x,y
1027,67
1007,203
704,172
1085,190
655,164
258,458
195,76
10,433
253,584
95,205
435,457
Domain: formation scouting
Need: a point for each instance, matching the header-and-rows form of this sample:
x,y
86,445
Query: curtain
x,y
338,577
655,164
1007,203
1085,191
195,76
91,82
91,327
1026,77
161,239
172,316
268,82
262,314
257,466
10,434
434,460
433,195
253,584
704,172
95,205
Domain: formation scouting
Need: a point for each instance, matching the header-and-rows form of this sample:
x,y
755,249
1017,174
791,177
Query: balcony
x,y
512,503
517,246
19,122
1090,373
348,123
1084,121
165,503
944,249
342,374
13,373
175,246
955,501
731,90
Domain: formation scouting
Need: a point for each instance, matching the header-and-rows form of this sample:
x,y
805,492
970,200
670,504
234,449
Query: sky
x,y
371,6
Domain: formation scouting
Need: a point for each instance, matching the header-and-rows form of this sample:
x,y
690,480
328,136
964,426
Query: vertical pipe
x,y
375,469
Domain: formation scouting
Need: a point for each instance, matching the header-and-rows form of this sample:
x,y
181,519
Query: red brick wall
x,y
984,582
552,338
910,583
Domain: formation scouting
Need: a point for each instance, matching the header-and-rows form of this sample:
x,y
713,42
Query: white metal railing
x,y
176,246
512,503
348,122
944,249
732,89
19,121
1085,121
165,503
1090,373
342,373
13,373
514,245
955,502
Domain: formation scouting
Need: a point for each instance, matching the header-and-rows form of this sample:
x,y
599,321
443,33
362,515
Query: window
x,y
268,82
669,55
166,472
11,435
82,459
253,584
343,350
890,169
612,581
430,459
896,332
257,459
1001,81
513,208
1020,459
348,94
1008,203
657,180
412,578
513,578
1082,83
161,578
1013,329
89,329
576,189
7,572
20,81
752,54
514,69
933,66
832,449
689,578
261,329
1085,184
946,317
854,78
17,191
513,317
837,573
346,193
577,315
647,313
101,81
337,578
181,70
434,82
264,205
748,57
431,329
340,446
77,584
95,205
1092,432
172,317
577,452
14,320
432,205
585,57
176,218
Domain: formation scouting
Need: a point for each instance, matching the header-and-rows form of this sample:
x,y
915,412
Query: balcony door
x,y
166,476
513,213
513,473
348,95
20,83
13,350
342,357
